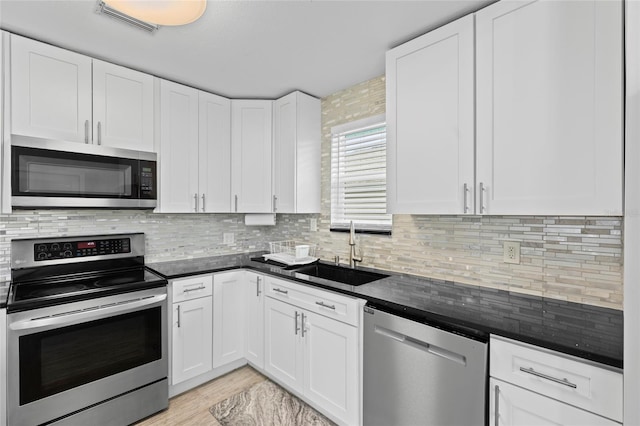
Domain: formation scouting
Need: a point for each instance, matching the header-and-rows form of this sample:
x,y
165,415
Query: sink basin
x,y
340,274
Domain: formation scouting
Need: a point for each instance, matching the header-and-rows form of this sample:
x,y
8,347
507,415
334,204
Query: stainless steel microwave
x,y
42,176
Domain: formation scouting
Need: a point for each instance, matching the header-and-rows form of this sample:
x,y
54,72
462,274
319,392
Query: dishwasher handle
x,y
420,345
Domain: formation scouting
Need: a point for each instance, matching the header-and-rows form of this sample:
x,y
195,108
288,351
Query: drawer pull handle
x,y
564,382
277,290
326,306
187,290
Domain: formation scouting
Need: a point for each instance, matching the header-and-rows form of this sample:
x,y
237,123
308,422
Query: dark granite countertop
x,y
586,331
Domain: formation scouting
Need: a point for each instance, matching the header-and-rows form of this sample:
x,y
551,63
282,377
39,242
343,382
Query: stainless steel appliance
x,y
86,332
47,174
415,374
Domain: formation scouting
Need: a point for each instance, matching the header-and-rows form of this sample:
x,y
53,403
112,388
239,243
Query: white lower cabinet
x,y
331,367
283,347
255,319
192,335
3,367
229,317
311,353
535,386
514,406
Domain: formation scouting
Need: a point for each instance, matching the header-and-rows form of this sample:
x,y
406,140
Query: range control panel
x,y
86,248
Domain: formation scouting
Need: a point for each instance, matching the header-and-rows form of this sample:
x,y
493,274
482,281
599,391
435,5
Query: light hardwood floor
x,y
192,407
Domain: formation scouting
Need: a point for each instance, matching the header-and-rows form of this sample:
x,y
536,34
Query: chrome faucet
x,y
352,247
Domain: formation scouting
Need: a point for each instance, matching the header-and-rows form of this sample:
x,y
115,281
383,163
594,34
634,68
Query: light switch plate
x,y
313,224
511,252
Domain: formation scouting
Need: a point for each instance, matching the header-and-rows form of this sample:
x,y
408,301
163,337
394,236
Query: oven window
x,y
57,360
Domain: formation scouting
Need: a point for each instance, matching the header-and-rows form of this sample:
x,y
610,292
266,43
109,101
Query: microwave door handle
x,y
75,317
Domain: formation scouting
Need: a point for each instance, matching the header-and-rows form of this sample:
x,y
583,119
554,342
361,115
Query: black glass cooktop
x,y
55,290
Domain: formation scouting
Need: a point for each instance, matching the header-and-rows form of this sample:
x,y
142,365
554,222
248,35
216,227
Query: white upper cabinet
x,y
549,107
122,107
178,153
251,156
62,95
430,122
50,92
214,153
296,159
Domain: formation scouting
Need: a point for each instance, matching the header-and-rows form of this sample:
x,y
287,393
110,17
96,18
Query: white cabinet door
x,y
331,366
192,339
178,154
255,319
122,107
549,107
229,317
516,406
251,156
430,122
296,154
50,92
214,153
284,357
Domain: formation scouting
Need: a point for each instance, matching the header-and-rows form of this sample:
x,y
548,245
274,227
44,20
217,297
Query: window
x,y
359,176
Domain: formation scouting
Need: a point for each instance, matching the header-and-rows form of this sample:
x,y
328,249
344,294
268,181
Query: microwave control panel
x,y
87,248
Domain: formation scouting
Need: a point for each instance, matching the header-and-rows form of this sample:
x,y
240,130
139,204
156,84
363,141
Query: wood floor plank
x,y
192,407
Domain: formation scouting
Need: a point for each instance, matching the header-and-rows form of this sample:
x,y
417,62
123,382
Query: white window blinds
x,y
358,175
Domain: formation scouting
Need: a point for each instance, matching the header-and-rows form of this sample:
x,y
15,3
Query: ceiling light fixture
x,y
161,12
106,10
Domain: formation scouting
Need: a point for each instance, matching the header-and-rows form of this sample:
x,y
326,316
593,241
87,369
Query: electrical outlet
x,y
228,238
511,252
313,224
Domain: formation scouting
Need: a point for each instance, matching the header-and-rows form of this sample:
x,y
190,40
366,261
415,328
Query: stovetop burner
x,y
117,266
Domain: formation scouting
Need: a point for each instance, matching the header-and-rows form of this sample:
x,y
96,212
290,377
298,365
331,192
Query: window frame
x,y
381,228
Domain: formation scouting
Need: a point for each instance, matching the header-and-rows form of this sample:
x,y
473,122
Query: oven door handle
x,y
94,312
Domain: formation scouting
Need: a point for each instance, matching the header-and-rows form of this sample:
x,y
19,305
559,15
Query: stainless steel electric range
x,y
86,332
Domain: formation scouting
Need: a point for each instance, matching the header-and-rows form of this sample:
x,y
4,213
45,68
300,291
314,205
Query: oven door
x,y
68,357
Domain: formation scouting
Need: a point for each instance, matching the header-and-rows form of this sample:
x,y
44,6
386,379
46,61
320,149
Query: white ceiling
x,y
245,49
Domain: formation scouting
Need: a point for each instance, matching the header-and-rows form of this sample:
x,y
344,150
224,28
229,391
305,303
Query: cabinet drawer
x,y
192,288
562,377
331,305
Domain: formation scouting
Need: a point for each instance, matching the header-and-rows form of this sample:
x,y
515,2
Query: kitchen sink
x,y
340,274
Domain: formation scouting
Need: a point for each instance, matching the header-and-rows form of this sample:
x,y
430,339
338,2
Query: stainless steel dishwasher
x,y
416,375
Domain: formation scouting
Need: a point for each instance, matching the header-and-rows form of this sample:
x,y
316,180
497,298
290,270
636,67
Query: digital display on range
x,y
70,249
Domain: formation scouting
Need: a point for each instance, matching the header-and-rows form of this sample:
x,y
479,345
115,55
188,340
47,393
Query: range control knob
x,y
42,248
67,246
55,247
42,256
67,253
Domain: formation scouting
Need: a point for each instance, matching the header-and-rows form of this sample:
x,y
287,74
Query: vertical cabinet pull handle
x,y
496,406
466,196
296,326
482,190
274,203
203,209
99,133
236,208
178,316
86,131
303,324
257,286
195,203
